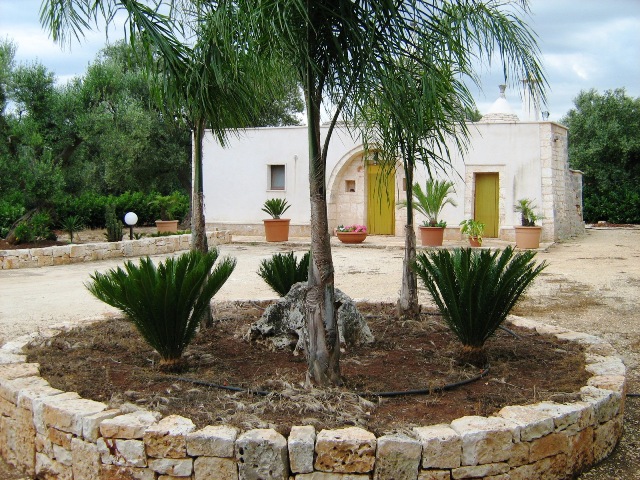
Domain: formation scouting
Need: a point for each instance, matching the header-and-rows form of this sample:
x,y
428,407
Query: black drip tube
x,y
422,391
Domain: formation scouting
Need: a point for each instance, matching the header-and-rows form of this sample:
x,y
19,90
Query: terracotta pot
x,y
167,226
528,237
276,229
474,242
351,237
431,236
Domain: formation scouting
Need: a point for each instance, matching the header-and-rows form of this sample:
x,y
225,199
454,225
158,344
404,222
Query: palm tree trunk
x,y
323,342
408,306
198,234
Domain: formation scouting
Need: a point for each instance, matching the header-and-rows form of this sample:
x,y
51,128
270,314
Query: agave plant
x,y
282,271
275,207
165,303
476,289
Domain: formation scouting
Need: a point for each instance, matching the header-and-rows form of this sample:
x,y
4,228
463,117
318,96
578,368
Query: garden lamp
x,y
130,219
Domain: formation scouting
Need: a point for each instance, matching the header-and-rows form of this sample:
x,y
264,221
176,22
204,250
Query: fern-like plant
x,y
432,200
282,270
167,302
476,289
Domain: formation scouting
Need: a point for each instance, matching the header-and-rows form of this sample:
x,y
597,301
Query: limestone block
x,y
11,371
91,423
212,441
26,396
550,330
44,260
480,471
485,440
130,425
178,467
262,454
122,452
434,475
606,437
168,437
549,446
48,469
441,446
173,477
67,415
25,434
346,450
397,457
331,476
112,472
581,445
86,460
205,468
550,468
39,403
519,454
616,383
531,423
43,445
6,358
62,455
58,437
572,416
301,444
7,409
9,389
8,439
604,349
609,367
606,403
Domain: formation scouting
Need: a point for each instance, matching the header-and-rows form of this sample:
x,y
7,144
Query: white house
x,y
508,159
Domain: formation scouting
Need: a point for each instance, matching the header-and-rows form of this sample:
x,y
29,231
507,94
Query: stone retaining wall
x,y
58,435
89,252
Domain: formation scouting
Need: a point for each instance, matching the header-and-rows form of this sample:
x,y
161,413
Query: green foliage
x,y
113,225
72,225
476,289
526,208
432,200
282,271
168,205
604,143
472,228
165,303
35,228
9,214
275,207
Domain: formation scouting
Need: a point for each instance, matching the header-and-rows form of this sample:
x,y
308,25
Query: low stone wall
x,y
89,252
58,435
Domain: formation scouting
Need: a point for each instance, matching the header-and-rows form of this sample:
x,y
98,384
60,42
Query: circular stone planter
x,y
53,434
351,237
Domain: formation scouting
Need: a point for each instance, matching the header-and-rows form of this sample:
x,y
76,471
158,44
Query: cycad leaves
x,y
281,271
476,289
165,303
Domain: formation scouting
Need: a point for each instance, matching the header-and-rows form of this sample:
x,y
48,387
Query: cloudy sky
x,y
584,43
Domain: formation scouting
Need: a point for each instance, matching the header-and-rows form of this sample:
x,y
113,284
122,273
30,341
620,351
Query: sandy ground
x,y
592,284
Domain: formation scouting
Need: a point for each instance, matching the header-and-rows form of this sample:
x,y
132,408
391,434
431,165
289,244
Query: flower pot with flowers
x,y
351,233
528,234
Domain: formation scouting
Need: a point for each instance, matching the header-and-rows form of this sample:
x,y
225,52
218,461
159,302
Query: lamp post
x,y
130,219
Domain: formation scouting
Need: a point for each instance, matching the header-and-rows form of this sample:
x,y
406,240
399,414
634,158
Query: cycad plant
x,y
475,290
282,271
432,200
167,302
275,207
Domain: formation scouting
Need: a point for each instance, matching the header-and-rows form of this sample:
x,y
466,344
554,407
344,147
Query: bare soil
x,y
109,362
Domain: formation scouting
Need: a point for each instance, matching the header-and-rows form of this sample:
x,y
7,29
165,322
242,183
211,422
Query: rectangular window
x,y
276,177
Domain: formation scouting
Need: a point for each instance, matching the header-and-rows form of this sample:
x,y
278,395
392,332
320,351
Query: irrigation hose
x,y
422,391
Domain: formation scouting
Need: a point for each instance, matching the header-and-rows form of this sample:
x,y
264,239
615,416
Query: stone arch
x,y
343,205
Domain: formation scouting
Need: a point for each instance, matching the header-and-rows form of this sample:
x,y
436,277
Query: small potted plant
x,y
430,203
276,229
474,230
166,204
528,234
351,233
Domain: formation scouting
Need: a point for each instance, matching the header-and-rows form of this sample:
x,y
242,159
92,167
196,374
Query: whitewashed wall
x,y
530,158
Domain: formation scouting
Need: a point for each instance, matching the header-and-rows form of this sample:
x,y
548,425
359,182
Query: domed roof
x,y
500,111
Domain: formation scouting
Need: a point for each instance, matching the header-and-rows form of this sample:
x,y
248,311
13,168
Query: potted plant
x,y
474,230
528,234
430,203
351,233
166,204
276,229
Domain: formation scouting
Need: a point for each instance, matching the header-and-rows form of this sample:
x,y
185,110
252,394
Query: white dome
x,y
500,111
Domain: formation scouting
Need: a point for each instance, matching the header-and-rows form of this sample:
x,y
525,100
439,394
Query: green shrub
x,y
114,225
165,303
9,214
35,228
282,270
476,289
71,225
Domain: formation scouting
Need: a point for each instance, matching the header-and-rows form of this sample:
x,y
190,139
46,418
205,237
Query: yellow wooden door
x,y
380,200
486,202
